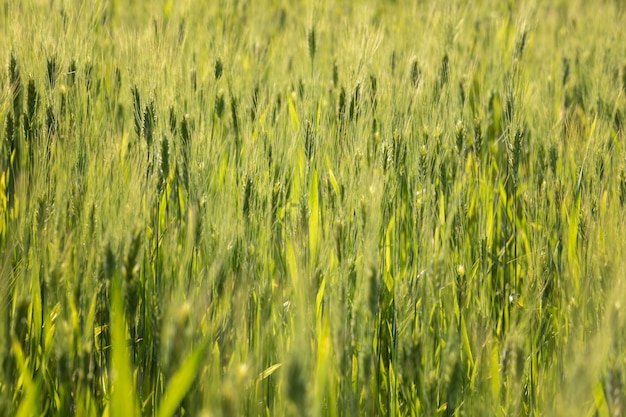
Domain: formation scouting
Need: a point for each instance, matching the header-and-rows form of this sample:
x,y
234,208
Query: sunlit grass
x,y
312,209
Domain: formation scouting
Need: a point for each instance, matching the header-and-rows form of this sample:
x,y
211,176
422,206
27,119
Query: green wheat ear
x,y
415,73
149,123
30,122
566,71
71,73
520,44
51,66
32,99
219,68
16,87
219,104
138,115
444,71
354,102
185,132
234,115
9,137
248,194
51,121
172,120
165,164
312,41
373,92
341,110
460,134
130,272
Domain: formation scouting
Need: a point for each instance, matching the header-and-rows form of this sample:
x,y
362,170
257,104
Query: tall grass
x,y
312,209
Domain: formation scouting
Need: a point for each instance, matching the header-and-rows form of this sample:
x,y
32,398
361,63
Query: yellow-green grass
x,y
312,208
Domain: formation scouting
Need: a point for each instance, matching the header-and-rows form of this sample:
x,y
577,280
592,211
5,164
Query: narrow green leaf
x,y
269,371
124,402
318,116
387,273
319,299
333,183
442,211
292,265
28,404
181,382
572,243
495,372
601,408
466,342
295,122
167,8
314,217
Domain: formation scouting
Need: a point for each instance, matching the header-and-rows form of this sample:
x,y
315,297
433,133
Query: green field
x,y
324,208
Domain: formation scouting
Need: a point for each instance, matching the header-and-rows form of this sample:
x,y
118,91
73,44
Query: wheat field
x,y
312,208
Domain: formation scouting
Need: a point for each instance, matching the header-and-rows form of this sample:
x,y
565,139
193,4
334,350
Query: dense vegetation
x,y
312,208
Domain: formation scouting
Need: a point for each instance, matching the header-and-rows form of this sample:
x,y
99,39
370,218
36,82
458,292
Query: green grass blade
x,y
123,399
28,406
295,121
314,218
601,408
181,382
